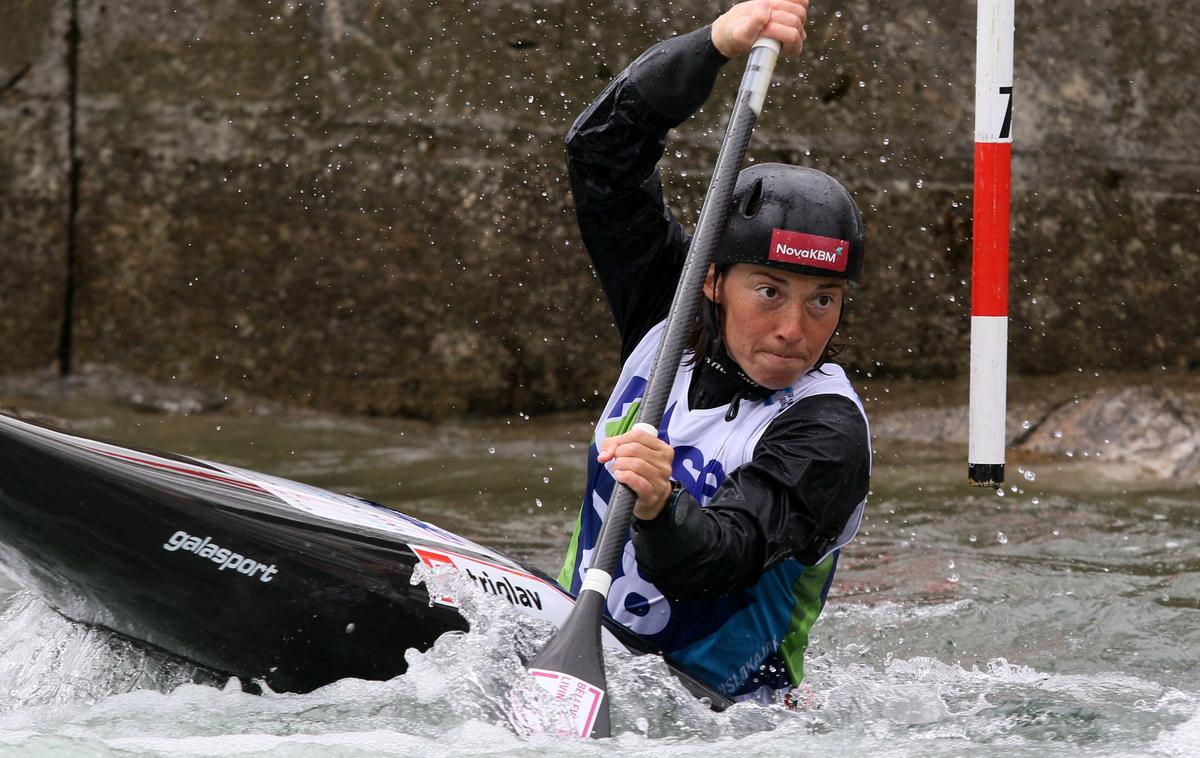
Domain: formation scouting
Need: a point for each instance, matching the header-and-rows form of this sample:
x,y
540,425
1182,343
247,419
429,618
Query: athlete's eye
x,y
768,292
824,301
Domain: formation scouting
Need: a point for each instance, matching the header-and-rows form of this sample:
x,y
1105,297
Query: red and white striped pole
x,y
989,270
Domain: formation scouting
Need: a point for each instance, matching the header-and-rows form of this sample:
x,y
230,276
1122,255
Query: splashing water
x,y
47,660
76,691
1077,635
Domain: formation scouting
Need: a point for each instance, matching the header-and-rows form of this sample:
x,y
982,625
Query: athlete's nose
x,y
790,327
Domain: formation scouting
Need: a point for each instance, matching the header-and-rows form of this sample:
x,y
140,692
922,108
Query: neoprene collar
x,y
718,380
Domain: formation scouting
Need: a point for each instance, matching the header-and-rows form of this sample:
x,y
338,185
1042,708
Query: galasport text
x,y
225,558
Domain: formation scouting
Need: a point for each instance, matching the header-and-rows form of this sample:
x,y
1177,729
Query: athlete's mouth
x,y
784,356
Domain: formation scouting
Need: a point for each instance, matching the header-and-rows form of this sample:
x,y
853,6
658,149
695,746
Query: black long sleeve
x,y
635,243
810,470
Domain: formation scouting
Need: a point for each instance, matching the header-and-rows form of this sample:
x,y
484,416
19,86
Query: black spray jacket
x,y
811,467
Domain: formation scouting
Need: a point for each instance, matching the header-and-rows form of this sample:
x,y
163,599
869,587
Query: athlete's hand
x,y
641,462
735,31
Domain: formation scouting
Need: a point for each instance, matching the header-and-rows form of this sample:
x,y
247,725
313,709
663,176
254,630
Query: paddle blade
x,y
571,667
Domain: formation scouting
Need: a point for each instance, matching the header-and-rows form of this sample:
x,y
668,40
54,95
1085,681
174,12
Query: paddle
x,y
571,666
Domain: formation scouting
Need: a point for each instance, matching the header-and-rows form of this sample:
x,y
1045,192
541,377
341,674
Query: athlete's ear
x,y
710,282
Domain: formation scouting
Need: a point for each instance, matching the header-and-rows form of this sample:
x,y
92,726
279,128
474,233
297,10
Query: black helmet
x,y
794,218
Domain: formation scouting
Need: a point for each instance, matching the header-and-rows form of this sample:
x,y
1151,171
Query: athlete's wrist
x,y
665,517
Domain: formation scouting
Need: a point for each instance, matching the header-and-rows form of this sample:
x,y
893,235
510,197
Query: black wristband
x,y
673,539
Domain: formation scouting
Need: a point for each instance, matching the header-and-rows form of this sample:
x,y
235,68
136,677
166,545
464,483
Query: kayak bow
x,y
240,572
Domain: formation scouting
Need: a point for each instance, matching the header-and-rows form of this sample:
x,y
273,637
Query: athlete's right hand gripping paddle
x,y
571,666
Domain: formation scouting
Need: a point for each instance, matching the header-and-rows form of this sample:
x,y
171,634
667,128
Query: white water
x,y
68,690
1062,619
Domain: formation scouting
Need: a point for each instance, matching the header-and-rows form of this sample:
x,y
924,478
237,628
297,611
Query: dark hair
x,y
707,335
706,338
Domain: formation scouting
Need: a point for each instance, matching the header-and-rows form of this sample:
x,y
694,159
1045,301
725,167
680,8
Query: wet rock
x,y
173,401
946,426
1154,428
34,416
105,384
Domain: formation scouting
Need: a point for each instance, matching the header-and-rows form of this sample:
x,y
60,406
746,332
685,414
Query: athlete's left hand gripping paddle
x,y
571,666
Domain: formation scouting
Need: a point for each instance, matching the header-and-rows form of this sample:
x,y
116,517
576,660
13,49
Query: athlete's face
x,y
777,322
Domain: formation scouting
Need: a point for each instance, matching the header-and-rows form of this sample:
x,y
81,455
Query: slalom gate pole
x,y
571,665
990,242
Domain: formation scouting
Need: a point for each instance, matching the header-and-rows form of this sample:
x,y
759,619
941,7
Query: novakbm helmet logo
x,y
801,249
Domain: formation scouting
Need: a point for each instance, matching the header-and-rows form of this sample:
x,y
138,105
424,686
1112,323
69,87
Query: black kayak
x,y
240,572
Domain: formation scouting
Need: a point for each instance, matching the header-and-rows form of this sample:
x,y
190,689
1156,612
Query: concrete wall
x,y
361,204
34,182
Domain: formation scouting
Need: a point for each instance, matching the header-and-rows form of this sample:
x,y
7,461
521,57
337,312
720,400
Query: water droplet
x,y
492,450
1002,538
538,502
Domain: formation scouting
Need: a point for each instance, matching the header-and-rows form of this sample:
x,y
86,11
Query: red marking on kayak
x,y
430,558
179,470
435,558
989,268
